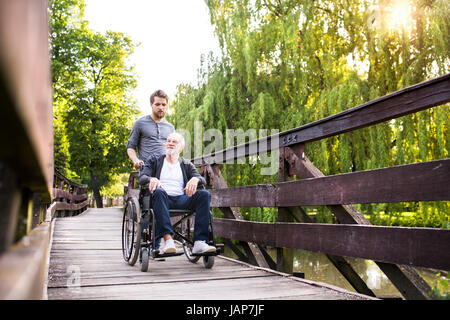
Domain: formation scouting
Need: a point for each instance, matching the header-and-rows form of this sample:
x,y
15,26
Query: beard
x,y
159,114
171,152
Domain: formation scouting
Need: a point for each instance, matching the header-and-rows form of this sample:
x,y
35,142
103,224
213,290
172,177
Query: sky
x,y
173,36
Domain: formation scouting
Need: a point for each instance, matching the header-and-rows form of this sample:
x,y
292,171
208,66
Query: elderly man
x,y
173,184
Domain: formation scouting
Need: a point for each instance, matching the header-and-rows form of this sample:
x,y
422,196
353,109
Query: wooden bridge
x,y
67,251
86,263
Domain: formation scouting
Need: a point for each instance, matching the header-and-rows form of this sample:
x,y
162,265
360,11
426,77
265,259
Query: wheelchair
x,y
138,229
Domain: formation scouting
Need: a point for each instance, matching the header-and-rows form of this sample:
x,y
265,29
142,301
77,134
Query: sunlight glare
x,y
400,16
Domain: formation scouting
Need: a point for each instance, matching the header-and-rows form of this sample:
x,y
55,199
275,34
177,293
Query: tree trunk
x,y
98,198
96,191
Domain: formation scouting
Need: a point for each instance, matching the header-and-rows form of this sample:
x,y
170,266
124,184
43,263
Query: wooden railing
x,y
26,152
394,249
69,198
24,267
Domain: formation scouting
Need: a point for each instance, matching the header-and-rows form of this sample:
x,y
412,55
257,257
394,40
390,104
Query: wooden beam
x,y
26,111
422,247
425,181
24,266
409,100
71,206
248,196
58,193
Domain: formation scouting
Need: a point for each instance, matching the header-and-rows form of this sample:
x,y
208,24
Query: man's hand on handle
x,y
133,157
138,164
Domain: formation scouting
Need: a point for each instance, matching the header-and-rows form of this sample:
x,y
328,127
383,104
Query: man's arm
x,y
132,155
133,142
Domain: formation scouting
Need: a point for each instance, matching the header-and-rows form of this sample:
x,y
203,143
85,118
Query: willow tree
x,y
288,63
92,97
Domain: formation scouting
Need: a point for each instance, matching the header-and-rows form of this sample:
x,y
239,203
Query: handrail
x,y
426,181
69,197
26,153
409,100
60,176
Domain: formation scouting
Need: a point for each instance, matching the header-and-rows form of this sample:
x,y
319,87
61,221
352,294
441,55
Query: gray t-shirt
x,y
149,137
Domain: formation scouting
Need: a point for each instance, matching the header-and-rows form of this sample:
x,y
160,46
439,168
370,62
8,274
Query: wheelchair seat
x,y
145,200
179,212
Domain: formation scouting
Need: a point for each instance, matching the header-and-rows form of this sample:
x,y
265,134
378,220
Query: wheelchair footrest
x,y
165,255
220,247
206,254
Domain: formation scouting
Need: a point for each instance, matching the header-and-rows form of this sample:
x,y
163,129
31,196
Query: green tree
x,y
92,88
288,63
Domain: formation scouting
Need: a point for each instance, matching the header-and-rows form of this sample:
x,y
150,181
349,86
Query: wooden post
x,y
285,256
36,211
10,199
76,191
59,185
216,179
66,197
24,217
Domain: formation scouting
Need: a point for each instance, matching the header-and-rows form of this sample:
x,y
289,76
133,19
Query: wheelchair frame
x,y
138,229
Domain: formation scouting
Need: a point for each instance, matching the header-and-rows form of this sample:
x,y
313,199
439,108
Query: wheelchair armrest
x,y
144,186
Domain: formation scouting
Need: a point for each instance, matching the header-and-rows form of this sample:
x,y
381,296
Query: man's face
x,y
159,107
173,146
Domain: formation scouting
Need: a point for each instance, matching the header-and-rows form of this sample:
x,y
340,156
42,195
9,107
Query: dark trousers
x,y
198,202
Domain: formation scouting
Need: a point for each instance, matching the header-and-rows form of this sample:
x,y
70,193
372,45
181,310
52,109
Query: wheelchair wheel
x,y
208,261
131,231
144,259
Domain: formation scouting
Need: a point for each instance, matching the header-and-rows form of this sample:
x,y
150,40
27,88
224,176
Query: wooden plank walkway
x,y
86,263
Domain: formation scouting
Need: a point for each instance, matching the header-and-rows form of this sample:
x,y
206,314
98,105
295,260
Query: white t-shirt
x,y
172,178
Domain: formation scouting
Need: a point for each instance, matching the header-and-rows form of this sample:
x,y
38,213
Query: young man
x,y
150,132
173,184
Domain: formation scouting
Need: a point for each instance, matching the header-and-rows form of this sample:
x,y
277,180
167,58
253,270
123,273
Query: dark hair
x,y
158,93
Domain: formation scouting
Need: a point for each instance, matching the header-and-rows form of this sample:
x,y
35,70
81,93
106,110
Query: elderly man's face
x,y
173,146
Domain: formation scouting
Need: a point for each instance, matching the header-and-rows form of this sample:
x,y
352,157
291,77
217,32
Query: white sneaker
x,y
202,247
169,247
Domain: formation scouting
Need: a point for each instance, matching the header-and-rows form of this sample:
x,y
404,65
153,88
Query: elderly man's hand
x,y
191,186
154,183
